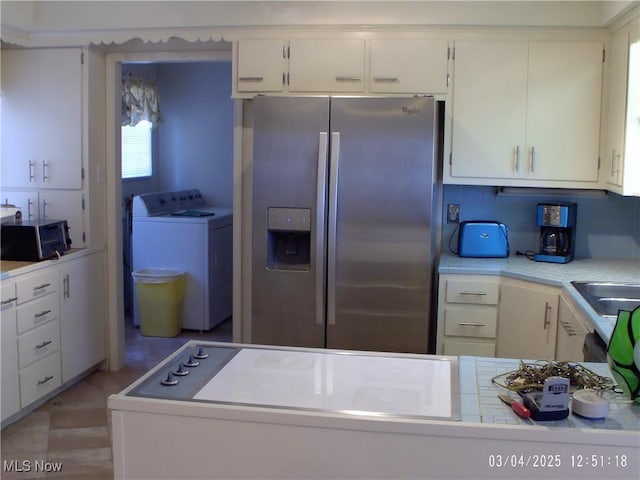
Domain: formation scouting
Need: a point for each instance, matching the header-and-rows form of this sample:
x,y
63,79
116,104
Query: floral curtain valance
x,y
139,101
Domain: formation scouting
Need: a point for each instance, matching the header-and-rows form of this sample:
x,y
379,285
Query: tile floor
x,y
69,436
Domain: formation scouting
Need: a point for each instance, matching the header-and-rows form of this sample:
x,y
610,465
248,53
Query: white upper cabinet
x,y
563,110
403,66
326,65
621,154
42,118
489,109
408,66
526,113
261,65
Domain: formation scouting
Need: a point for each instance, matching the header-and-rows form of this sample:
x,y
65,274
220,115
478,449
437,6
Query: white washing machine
x,y
177,230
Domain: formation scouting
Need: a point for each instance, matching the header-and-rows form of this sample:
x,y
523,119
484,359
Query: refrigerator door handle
x,y
332,233
323,149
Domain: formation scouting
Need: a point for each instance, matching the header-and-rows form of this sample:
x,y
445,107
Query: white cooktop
x,y
335,381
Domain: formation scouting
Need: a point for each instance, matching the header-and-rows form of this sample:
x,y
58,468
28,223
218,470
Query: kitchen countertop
x,y
12,268
479,400
558,275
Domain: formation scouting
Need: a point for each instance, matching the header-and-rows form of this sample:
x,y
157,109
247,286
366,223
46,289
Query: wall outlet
x,y
453,213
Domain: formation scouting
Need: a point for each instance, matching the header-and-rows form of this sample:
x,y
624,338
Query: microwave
x,y
32,241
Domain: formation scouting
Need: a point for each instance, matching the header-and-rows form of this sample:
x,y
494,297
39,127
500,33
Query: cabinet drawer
x,y
471,291
470,322
37,312
474,349
38,343
9,297
37,285
40,378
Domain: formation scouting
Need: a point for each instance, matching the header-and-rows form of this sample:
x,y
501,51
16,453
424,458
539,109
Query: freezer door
x,y
290,145
379,238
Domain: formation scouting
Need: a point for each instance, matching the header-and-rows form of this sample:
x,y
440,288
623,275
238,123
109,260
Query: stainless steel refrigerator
x,y
342,208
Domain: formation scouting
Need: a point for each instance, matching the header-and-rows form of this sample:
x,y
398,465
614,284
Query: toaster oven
x,y
32,241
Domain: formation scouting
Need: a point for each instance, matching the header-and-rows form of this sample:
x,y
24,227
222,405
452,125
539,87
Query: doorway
x,y
193,148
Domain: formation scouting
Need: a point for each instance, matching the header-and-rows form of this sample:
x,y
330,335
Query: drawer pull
x,y
43,344
251,79
9,300
42,287
386,79
473,293
471,324
347,79
45,380
42,314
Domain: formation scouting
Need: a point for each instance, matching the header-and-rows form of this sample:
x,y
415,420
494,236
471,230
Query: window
x,y
136,150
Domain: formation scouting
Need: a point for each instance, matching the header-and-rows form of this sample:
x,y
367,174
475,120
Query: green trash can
x,y
160,292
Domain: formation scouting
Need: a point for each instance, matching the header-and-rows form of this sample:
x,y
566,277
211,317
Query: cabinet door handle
x,y
517,158
386,79
32,169
347,78
29,214
43,344
45,380
42,314
471,324
250,79
44,208
547,315
41,287
473,293
66,287
615,160
45,166
8,301
533,158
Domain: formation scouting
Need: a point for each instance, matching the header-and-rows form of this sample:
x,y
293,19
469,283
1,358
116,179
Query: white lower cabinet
x,y
467,315
82,314
488,315
39,379
10,383
571,333
527,320
38,334
52,328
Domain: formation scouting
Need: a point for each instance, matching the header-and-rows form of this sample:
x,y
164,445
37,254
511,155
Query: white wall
x,y
102,15
194,141
196,132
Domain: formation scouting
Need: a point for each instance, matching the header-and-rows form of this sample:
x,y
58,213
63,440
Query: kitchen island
x,y
165,436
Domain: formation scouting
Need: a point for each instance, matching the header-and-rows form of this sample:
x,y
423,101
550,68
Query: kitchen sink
x,y
607,298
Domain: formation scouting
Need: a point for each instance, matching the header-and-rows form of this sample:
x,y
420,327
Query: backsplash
x,y
605,227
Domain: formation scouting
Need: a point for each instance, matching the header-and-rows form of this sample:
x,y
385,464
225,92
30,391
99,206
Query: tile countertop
x,y
479,402
13,268
560,275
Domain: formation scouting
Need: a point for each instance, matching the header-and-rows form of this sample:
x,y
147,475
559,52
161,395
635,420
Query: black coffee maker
x,y
557,222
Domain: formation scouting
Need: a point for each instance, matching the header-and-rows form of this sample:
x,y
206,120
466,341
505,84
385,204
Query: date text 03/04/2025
x,y
556,460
